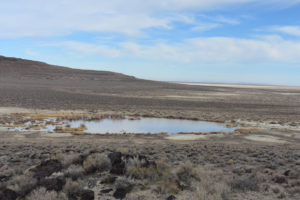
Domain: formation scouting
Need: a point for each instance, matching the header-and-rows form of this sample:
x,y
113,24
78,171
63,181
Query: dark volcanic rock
x,y
117,164
46,168
87,195
171,197
53,183
120,193
106,191
7,194
109,180
115,157
280,179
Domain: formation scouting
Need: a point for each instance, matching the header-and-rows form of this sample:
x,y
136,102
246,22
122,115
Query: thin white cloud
x,y
31,53
201,50
35,18
222,50
290,30
226,20
205,26
88,49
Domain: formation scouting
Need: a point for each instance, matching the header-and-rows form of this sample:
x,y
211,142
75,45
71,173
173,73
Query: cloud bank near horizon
x,y
187,36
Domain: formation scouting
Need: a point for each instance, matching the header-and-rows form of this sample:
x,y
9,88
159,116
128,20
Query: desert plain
x,y
260,159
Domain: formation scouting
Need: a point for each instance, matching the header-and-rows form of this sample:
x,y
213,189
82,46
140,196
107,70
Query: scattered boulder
x,y
171,197
7,194
87,195
117,164
108,179
279,179
106,190
123,186
287,172
46,168
53,183
120,193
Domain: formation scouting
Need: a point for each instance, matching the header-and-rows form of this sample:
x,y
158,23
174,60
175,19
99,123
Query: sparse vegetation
x,y
74,172
43,194
244,184
151,169
22,184
96,162
73,188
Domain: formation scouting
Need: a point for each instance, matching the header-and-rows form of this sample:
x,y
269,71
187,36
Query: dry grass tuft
x,y
67,159
166,187
74,172
80,129
244,184
43,194
211,187
22,184
96,162
73,188
185,174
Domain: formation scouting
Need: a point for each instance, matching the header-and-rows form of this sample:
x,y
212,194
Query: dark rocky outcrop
x,y
117,164
87,195
53,183
46,168
7,194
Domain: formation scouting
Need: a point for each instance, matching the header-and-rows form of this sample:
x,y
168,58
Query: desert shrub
x,y
135,168
123,186
67,159
96,162
210,187
22,184
74,172
167,187
185,174
43,194
73,188
244,184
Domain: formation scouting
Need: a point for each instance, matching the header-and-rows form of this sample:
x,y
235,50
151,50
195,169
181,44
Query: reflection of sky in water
x,y
150,125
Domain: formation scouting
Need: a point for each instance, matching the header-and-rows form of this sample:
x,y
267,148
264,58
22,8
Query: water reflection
x,y
143,125
150,125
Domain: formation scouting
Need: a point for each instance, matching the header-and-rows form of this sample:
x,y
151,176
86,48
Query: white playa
x,y
265,138
191,136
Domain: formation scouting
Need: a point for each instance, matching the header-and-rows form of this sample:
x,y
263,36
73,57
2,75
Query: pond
x,y
151,125
142,125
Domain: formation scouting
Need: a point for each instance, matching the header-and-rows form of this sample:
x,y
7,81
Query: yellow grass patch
x,y
247,130
79,129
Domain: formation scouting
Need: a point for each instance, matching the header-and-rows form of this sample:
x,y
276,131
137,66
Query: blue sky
x,y
231,41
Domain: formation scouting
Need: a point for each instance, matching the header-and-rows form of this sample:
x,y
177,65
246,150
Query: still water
x,y
150,125
143,125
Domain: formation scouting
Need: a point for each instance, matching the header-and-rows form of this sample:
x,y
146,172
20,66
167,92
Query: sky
x,y
215,41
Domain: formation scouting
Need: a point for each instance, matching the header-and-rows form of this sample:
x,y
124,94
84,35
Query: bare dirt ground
x,y
260,162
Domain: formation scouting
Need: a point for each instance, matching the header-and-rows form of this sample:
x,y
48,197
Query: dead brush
x,y
139,169
22,184
185,174
68,159
96,162
74,172
166,187
73,188
43,194
211,186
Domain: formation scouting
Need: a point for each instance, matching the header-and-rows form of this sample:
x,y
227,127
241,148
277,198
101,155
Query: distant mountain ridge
x,y
21,68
